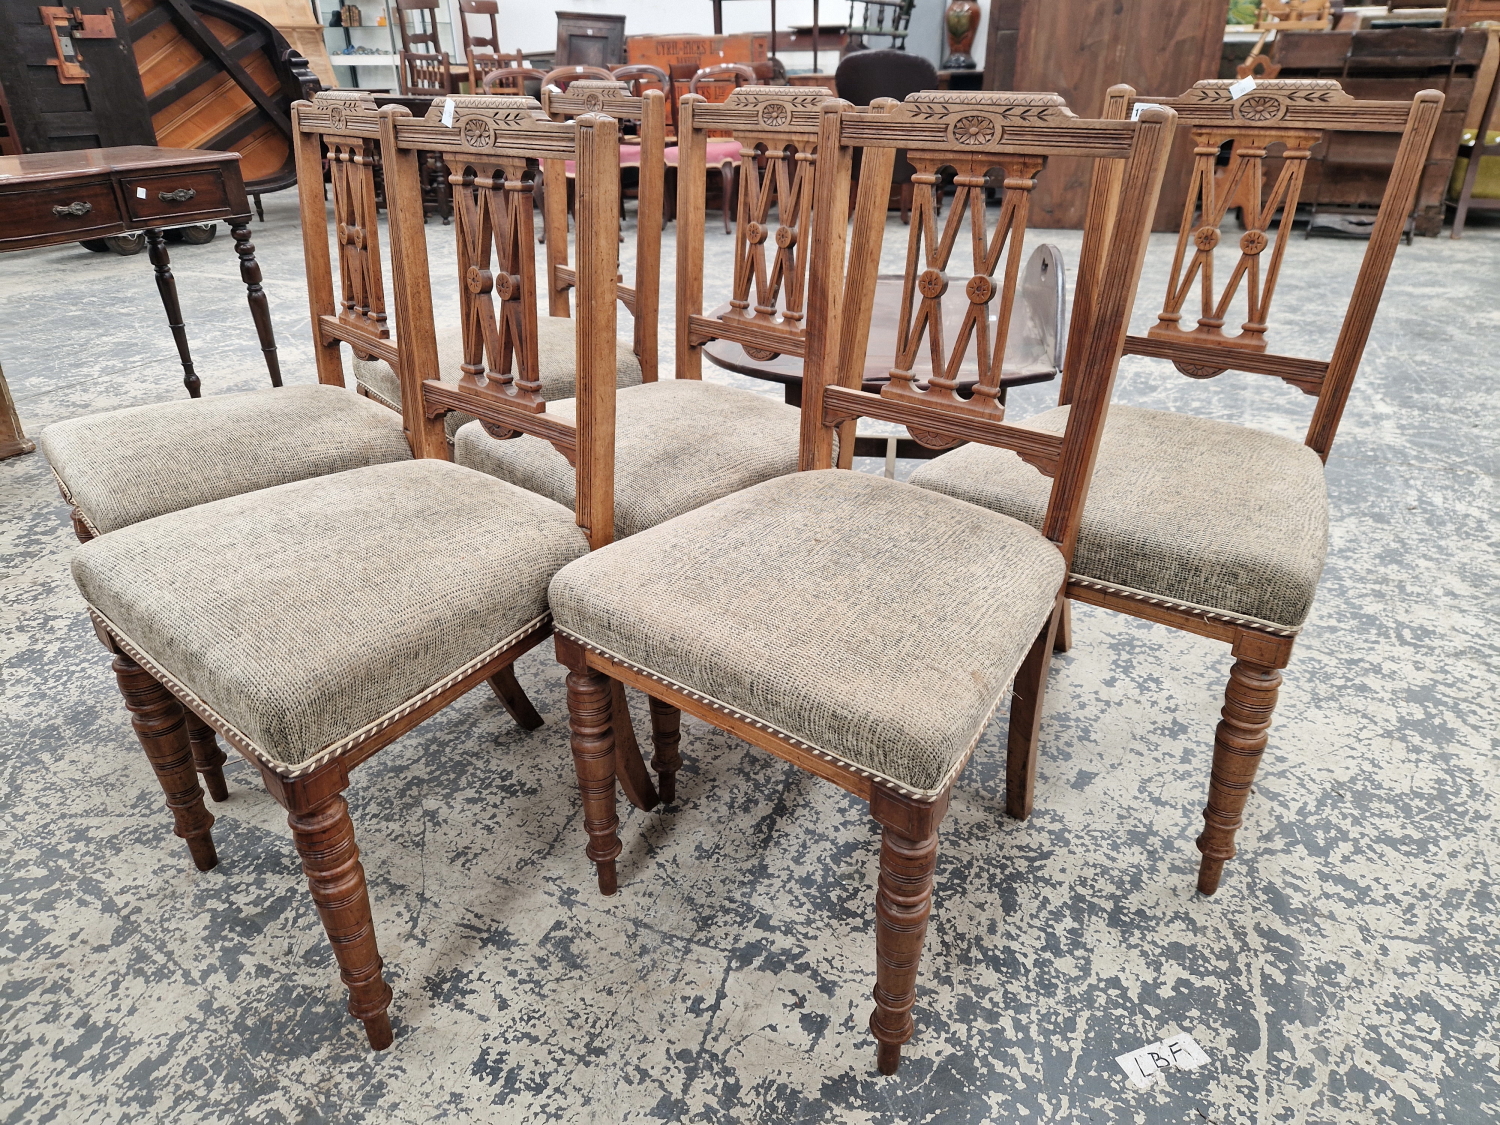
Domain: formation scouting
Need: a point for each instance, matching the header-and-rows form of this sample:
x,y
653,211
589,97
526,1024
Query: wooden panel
x,y
1080,48
1388,65
109,108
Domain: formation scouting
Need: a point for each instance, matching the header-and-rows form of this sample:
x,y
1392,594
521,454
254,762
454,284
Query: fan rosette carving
x,y
929,439
1260,108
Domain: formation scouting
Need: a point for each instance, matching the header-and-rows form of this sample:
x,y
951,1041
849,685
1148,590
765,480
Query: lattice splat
x,y
783,177
496,231
986,321
1210,196
351,165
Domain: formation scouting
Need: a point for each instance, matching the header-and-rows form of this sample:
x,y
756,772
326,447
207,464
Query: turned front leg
x,y
324,837
1239,741
666,741
161,726
590,706
260,309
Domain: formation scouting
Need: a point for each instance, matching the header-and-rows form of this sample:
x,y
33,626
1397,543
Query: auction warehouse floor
x,y
1346,972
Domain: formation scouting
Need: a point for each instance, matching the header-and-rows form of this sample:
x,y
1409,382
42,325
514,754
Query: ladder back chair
x,y
425,67
482,50
1205,526
350,607
648,112
788,614
674,447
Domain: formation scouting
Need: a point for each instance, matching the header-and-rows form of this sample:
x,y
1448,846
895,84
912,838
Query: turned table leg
x,y
260,309
166,285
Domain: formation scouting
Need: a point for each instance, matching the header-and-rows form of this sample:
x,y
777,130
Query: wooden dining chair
x,y
482,47
511,81
645,157
348,608
641,77
423,67
858,627
376,374
679,443
770,137
1206,526
564,76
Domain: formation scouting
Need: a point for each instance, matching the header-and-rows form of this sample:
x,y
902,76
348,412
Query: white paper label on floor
x,y
1142,1067
140,193
1242,87
448,108
1135,110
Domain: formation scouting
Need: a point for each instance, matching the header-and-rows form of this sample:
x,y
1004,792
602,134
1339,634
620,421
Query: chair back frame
x,y
564,76
1294,113
494,149
424,73
508,81
643,299
777,127
974,134
355,314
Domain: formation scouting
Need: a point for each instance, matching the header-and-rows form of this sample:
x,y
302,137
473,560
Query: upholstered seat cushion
x,y
130,465
556,349
1190,510
303,614
679,443
873,622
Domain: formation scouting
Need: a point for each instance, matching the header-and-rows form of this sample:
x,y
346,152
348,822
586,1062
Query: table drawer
x,y
78,210
184,195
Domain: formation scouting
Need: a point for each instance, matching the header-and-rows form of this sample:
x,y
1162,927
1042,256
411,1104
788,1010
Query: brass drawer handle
x,y
181,195
80,208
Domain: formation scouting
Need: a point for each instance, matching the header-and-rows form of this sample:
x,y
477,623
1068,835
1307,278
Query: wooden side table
x,y
49,198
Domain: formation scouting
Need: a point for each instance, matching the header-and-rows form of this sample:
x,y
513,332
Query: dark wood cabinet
x,y
1079,49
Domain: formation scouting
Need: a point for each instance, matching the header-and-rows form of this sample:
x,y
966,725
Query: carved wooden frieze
x,y
773,114
593,95
1297,103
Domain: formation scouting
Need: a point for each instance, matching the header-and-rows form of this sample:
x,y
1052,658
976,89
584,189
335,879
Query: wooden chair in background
x,y
1275,16
722,153
648,113
512,81
377,376
1205,526
857,627
482,49
770,139
425,67
641,77
564,76
364,623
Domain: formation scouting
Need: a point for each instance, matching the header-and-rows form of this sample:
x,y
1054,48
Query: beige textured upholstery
x,y
557,342
302,614
679,443
1210,514
872,621
131,465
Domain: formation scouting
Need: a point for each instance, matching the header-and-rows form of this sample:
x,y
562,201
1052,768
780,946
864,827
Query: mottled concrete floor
x,y
1346,972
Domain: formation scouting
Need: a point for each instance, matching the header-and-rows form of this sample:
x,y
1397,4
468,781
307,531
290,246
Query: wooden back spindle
x,y
494,149
643,299
777,129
